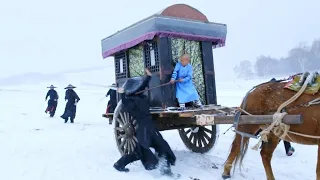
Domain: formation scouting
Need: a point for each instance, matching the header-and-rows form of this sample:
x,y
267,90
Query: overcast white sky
x,y
50,36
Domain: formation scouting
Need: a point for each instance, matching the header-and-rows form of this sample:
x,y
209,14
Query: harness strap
x,y
244,134
236,119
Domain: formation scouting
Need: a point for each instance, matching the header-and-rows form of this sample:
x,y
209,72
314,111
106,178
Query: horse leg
x,y
266,154
234,153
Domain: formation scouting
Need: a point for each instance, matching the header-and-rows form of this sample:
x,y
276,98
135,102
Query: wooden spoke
x,y
200,140
120,121
122,117
132,145
203,140
121,136
207,130
195,139
135,139
126,149
191,136
188,131
129,148
118,129
126,118
205,135
122,144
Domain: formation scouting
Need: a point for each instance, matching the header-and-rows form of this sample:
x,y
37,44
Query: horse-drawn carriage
x,y
156,43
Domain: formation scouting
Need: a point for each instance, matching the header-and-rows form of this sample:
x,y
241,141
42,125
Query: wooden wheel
x,y
124,130
199,139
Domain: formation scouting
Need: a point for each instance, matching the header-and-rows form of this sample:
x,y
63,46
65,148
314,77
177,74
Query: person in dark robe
x,y
53,101
112,103
72,99
137,105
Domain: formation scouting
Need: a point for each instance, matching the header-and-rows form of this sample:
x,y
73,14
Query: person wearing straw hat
x,y
137,105
112,103
53,100
72,99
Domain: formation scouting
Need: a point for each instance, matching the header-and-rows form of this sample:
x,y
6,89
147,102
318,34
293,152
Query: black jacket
x,y
147,133
138,107
113,97
52,94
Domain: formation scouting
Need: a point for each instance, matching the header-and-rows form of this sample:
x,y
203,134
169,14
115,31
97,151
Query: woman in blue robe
x,y
185,90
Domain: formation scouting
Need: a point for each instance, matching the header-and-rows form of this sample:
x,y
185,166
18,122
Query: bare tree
x,y
244,69
300,55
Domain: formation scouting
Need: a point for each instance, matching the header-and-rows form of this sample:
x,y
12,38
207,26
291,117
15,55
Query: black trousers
x,y
160,145
69,112
148,159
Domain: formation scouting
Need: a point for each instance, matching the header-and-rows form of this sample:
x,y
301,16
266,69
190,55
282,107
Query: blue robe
x,y
185,90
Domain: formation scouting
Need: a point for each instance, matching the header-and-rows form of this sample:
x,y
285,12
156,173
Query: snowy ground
x,y
34,147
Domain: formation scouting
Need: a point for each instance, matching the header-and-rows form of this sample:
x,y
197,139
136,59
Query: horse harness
x,y
316,101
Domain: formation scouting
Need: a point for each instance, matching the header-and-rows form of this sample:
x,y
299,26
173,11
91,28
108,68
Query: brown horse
x,y
263,100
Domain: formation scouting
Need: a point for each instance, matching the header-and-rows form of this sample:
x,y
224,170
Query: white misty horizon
x,y
50,37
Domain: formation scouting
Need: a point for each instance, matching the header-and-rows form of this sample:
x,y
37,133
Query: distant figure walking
x,y
72,99
112,103
53,100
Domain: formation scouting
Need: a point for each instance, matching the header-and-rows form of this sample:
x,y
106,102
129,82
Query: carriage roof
x,y
166,24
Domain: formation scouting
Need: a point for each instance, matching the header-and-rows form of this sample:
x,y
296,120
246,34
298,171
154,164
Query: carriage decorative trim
x,y
163,26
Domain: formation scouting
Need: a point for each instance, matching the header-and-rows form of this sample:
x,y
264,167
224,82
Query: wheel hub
x,y
195,130
128,130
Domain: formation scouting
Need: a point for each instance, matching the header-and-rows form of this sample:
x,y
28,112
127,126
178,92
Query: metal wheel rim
x,y
125,133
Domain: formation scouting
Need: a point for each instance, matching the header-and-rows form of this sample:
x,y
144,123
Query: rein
x,y
148,89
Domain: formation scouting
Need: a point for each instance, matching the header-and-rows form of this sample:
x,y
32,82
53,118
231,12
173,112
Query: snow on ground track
x,y
34,147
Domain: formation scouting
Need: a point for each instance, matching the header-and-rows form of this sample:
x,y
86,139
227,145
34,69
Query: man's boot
x,y
71,120
120,168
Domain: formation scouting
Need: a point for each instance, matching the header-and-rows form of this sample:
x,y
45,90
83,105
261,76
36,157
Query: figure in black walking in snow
x,y
112,103
137,105
53,101
72,99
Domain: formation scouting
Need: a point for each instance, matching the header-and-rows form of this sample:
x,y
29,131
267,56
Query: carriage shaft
x,y
205,120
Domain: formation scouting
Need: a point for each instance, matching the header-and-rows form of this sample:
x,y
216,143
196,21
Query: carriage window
x,y
121,65
151,56
120,61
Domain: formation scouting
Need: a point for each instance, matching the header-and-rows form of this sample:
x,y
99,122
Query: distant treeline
x,y
302,58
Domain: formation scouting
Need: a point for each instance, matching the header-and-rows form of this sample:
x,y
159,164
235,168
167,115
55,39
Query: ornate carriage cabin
x,y
158,41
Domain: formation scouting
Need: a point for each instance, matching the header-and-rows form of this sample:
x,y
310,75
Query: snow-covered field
x,y
34,147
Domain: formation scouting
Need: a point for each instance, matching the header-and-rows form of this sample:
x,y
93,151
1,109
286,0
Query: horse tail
x,y
242,153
